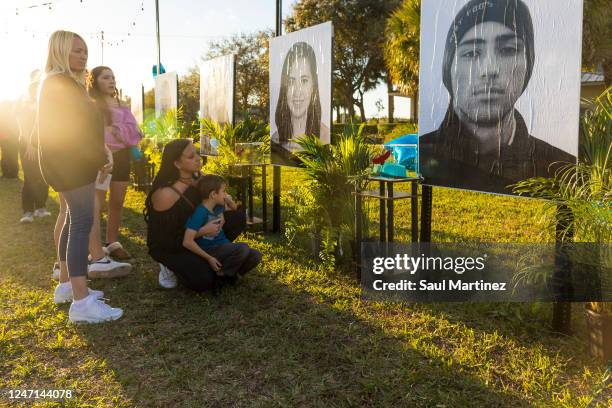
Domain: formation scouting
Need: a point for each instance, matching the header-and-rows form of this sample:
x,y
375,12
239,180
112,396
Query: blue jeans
x,y
74,240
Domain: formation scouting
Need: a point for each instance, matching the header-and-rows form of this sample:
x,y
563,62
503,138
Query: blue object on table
x,y
393,170
136,153
405,150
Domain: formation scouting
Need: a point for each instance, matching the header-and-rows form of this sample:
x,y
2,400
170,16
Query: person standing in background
x,y
9,141
71,151
121,136
35,191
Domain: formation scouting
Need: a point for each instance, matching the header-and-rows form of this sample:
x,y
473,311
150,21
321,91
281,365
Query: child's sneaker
x,y
63,293
92,310
167,278
27,218
107,268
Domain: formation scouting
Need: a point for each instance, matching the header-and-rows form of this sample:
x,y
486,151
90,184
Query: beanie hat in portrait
x,y
514,14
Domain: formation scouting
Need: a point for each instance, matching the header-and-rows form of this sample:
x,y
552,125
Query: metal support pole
x,y
382,212
157,34
250,187
276,174
390,211
276,203
102,45
264,198
426,204
358,232
561,279
414,207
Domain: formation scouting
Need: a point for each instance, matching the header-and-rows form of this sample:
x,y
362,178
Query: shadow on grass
x,y
262,343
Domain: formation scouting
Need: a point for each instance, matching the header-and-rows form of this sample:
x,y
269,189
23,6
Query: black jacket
x,y
70,134
450,157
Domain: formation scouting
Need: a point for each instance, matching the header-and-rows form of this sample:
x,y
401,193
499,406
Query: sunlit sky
x,y
186,27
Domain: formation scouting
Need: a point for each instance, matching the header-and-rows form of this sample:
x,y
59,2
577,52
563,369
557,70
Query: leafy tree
x,y
597,37
401,49
252,58
358,40
189,99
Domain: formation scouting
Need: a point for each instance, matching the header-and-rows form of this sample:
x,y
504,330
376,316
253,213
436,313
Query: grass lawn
x,y
294,333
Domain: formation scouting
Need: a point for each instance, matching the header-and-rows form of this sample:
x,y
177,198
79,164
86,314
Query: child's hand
x,y
214,264
210,229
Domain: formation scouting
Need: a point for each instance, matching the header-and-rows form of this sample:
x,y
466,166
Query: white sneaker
x,y
28,218
56,271
107,268
63,293
41,212
91,310
167,278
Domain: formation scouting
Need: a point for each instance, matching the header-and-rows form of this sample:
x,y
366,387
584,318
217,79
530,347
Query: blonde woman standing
x,y
71,151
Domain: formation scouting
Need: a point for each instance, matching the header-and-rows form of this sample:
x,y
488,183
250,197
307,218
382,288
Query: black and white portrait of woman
x,y
511,111
300,90
166,93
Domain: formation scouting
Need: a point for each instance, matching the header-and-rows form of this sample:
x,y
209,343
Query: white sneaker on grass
x,y
63,293
27,218
56,271
107,268
92,310
41,212
167,278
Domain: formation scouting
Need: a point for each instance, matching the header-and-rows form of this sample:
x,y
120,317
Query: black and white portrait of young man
x,y
499,93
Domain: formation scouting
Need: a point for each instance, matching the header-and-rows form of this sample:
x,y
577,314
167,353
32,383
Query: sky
x,y
186,29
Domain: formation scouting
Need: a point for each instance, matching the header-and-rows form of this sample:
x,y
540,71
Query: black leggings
x,y
194,272
35,191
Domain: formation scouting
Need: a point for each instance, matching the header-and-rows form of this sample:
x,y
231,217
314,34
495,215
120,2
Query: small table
x,y
386,196
246,192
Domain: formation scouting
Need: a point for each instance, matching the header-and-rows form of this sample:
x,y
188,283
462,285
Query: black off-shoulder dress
x,y
165,232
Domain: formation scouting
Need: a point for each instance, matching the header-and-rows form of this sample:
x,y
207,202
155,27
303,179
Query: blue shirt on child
x,y
200,217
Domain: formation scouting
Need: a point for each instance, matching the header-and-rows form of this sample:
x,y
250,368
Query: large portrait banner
x,y
166,93
217,89
499,91
300,90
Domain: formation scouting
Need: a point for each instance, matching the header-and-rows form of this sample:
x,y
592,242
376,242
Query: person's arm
x,y
211,229
190,244
127,129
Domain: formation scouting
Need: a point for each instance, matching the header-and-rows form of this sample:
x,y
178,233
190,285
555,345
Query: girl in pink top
x,y
121,134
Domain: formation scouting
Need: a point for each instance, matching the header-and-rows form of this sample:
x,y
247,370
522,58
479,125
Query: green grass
x,y
293,333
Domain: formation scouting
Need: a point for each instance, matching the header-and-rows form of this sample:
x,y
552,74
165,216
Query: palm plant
x,y
582,192
228,135
165,127
333,171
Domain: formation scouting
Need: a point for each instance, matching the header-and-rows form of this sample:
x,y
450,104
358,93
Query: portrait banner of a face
x,y
137,104
300,90
499,95
217,89
166,93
